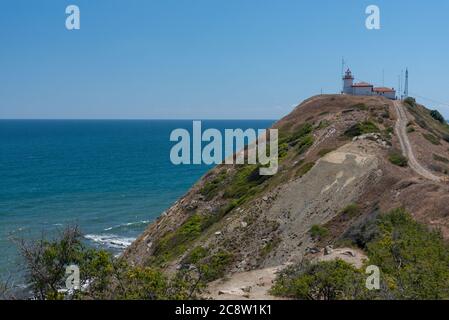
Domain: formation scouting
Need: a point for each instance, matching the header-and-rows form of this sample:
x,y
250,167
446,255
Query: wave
x,y
110,240
129,224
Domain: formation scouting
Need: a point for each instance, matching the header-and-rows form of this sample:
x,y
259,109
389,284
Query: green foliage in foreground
x,y
101,275
413,261
330,280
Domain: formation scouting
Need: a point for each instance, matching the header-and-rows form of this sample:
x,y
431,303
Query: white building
x,y
364,88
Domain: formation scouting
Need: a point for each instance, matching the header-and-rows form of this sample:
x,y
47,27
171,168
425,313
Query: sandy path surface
x,y
401,132
253,285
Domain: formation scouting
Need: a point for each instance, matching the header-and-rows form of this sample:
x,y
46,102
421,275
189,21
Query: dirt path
x,y
401,132
254,285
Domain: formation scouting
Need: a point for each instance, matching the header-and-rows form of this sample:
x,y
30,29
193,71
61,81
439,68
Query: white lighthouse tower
x,y
348,81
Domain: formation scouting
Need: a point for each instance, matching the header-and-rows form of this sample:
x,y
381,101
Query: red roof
x,y
383,89
362,84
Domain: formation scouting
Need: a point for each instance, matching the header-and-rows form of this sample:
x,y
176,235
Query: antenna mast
x,y
406,84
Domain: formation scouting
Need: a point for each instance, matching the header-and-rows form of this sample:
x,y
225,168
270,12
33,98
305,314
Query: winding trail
x,y
401,132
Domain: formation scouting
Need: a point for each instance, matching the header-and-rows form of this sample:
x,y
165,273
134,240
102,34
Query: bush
x,y
210,266
318,232
304,169
398,159
361,128
410,101
431,138
437,116
176,242
326,280
413,259
351,210
211,188
305,143
245,181
325,151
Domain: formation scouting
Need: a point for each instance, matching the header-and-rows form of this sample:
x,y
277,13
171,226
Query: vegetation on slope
x,y
102,276
430,120
413,261
397,159
361,128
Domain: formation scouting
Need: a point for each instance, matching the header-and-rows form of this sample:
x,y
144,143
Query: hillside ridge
x,y
336,151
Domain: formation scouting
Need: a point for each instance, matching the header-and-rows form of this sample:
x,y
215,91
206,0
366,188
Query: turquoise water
x,y
111,178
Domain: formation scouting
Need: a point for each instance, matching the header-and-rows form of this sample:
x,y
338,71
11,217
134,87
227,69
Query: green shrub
x,y
283,150
361,128
305,143
323,124
351,210
431,138
325,151
214,267
211,188
318,232
245,182
398,159
360,106
413,259
176,242
410,101
269,247
301,132
306,167
326,280
437,116
100,273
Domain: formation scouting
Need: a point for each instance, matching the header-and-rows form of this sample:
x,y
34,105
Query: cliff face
x,y
338,166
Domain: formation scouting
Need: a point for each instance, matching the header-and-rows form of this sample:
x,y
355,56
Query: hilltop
x,y
342,165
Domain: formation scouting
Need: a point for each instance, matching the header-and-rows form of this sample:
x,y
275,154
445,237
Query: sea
x,y
109,177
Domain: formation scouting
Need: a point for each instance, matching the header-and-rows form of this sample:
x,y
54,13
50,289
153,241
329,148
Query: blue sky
x,y
232,59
